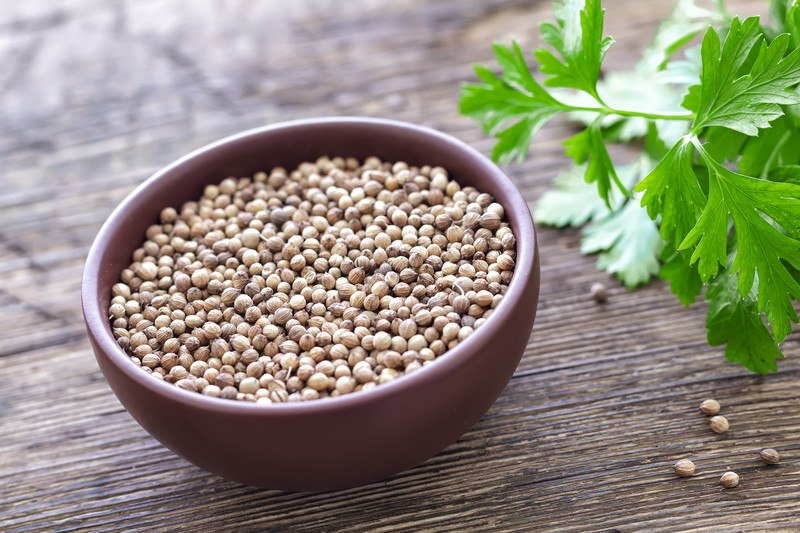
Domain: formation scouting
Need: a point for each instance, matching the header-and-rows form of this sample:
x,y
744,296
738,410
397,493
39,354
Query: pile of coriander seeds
x,y
329,279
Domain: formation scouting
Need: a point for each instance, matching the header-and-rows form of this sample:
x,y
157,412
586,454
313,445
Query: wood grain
x,y
94,96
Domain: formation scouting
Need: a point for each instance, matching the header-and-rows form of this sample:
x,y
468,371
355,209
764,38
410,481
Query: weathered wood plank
x,y
97,95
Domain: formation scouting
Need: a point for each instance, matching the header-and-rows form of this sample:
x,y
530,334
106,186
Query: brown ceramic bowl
x,y
337,442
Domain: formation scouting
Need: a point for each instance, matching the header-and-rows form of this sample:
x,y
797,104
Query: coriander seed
x,y
729,480
186,384
684,468
249,385
770,456
710,407
338,279
718,424
599,293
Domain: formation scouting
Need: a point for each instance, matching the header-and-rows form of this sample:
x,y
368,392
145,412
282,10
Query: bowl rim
x,y
100,331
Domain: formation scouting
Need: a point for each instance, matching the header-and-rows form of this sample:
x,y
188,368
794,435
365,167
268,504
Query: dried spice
x,y
710,407
770,456
684,468
718,424
729,480
329,279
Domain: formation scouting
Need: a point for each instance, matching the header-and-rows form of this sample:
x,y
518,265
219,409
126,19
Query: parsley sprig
x,y
714,197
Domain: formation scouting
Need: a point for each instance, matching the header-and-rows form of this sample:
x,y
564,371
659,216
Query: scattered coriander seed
x,y
328,279
684,468
718,424
770,456
710,407
729,480
599,293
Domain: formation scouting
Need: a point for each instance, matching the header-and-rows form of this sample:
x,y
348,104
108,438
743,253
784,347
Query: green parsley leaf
x,y
574,202
793,111
577,37
793,21
774,147
629,243
513,106
588,145
788,174
721,205
734,320
762,247
571,201
684,71
672,191
684,281
786,18
723,144
746,102
684,24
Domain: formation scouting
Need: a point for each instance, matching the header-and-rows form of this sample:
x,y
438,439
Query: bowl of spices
x,y
317,304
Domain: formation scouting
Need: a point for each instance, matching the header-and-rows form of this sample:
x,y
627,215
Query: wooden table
x,y
96,95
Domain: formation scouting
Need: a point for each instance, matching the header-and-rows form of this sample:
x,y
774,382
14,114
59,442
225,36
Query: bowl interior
x,y
287,145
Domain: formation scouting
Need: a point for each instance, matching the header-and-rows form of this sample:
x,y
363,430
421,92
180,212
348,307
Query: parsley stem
x,y
598,99
605,110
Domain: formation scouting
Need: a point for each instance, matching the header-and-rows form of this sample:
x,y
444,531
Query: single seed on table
x,y
710,407
770,456
684,468
599,293
718,424
729,480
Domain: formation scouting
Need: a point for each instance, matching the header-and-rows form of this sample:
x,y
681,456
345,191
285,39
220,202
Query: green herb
x,y
714,197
